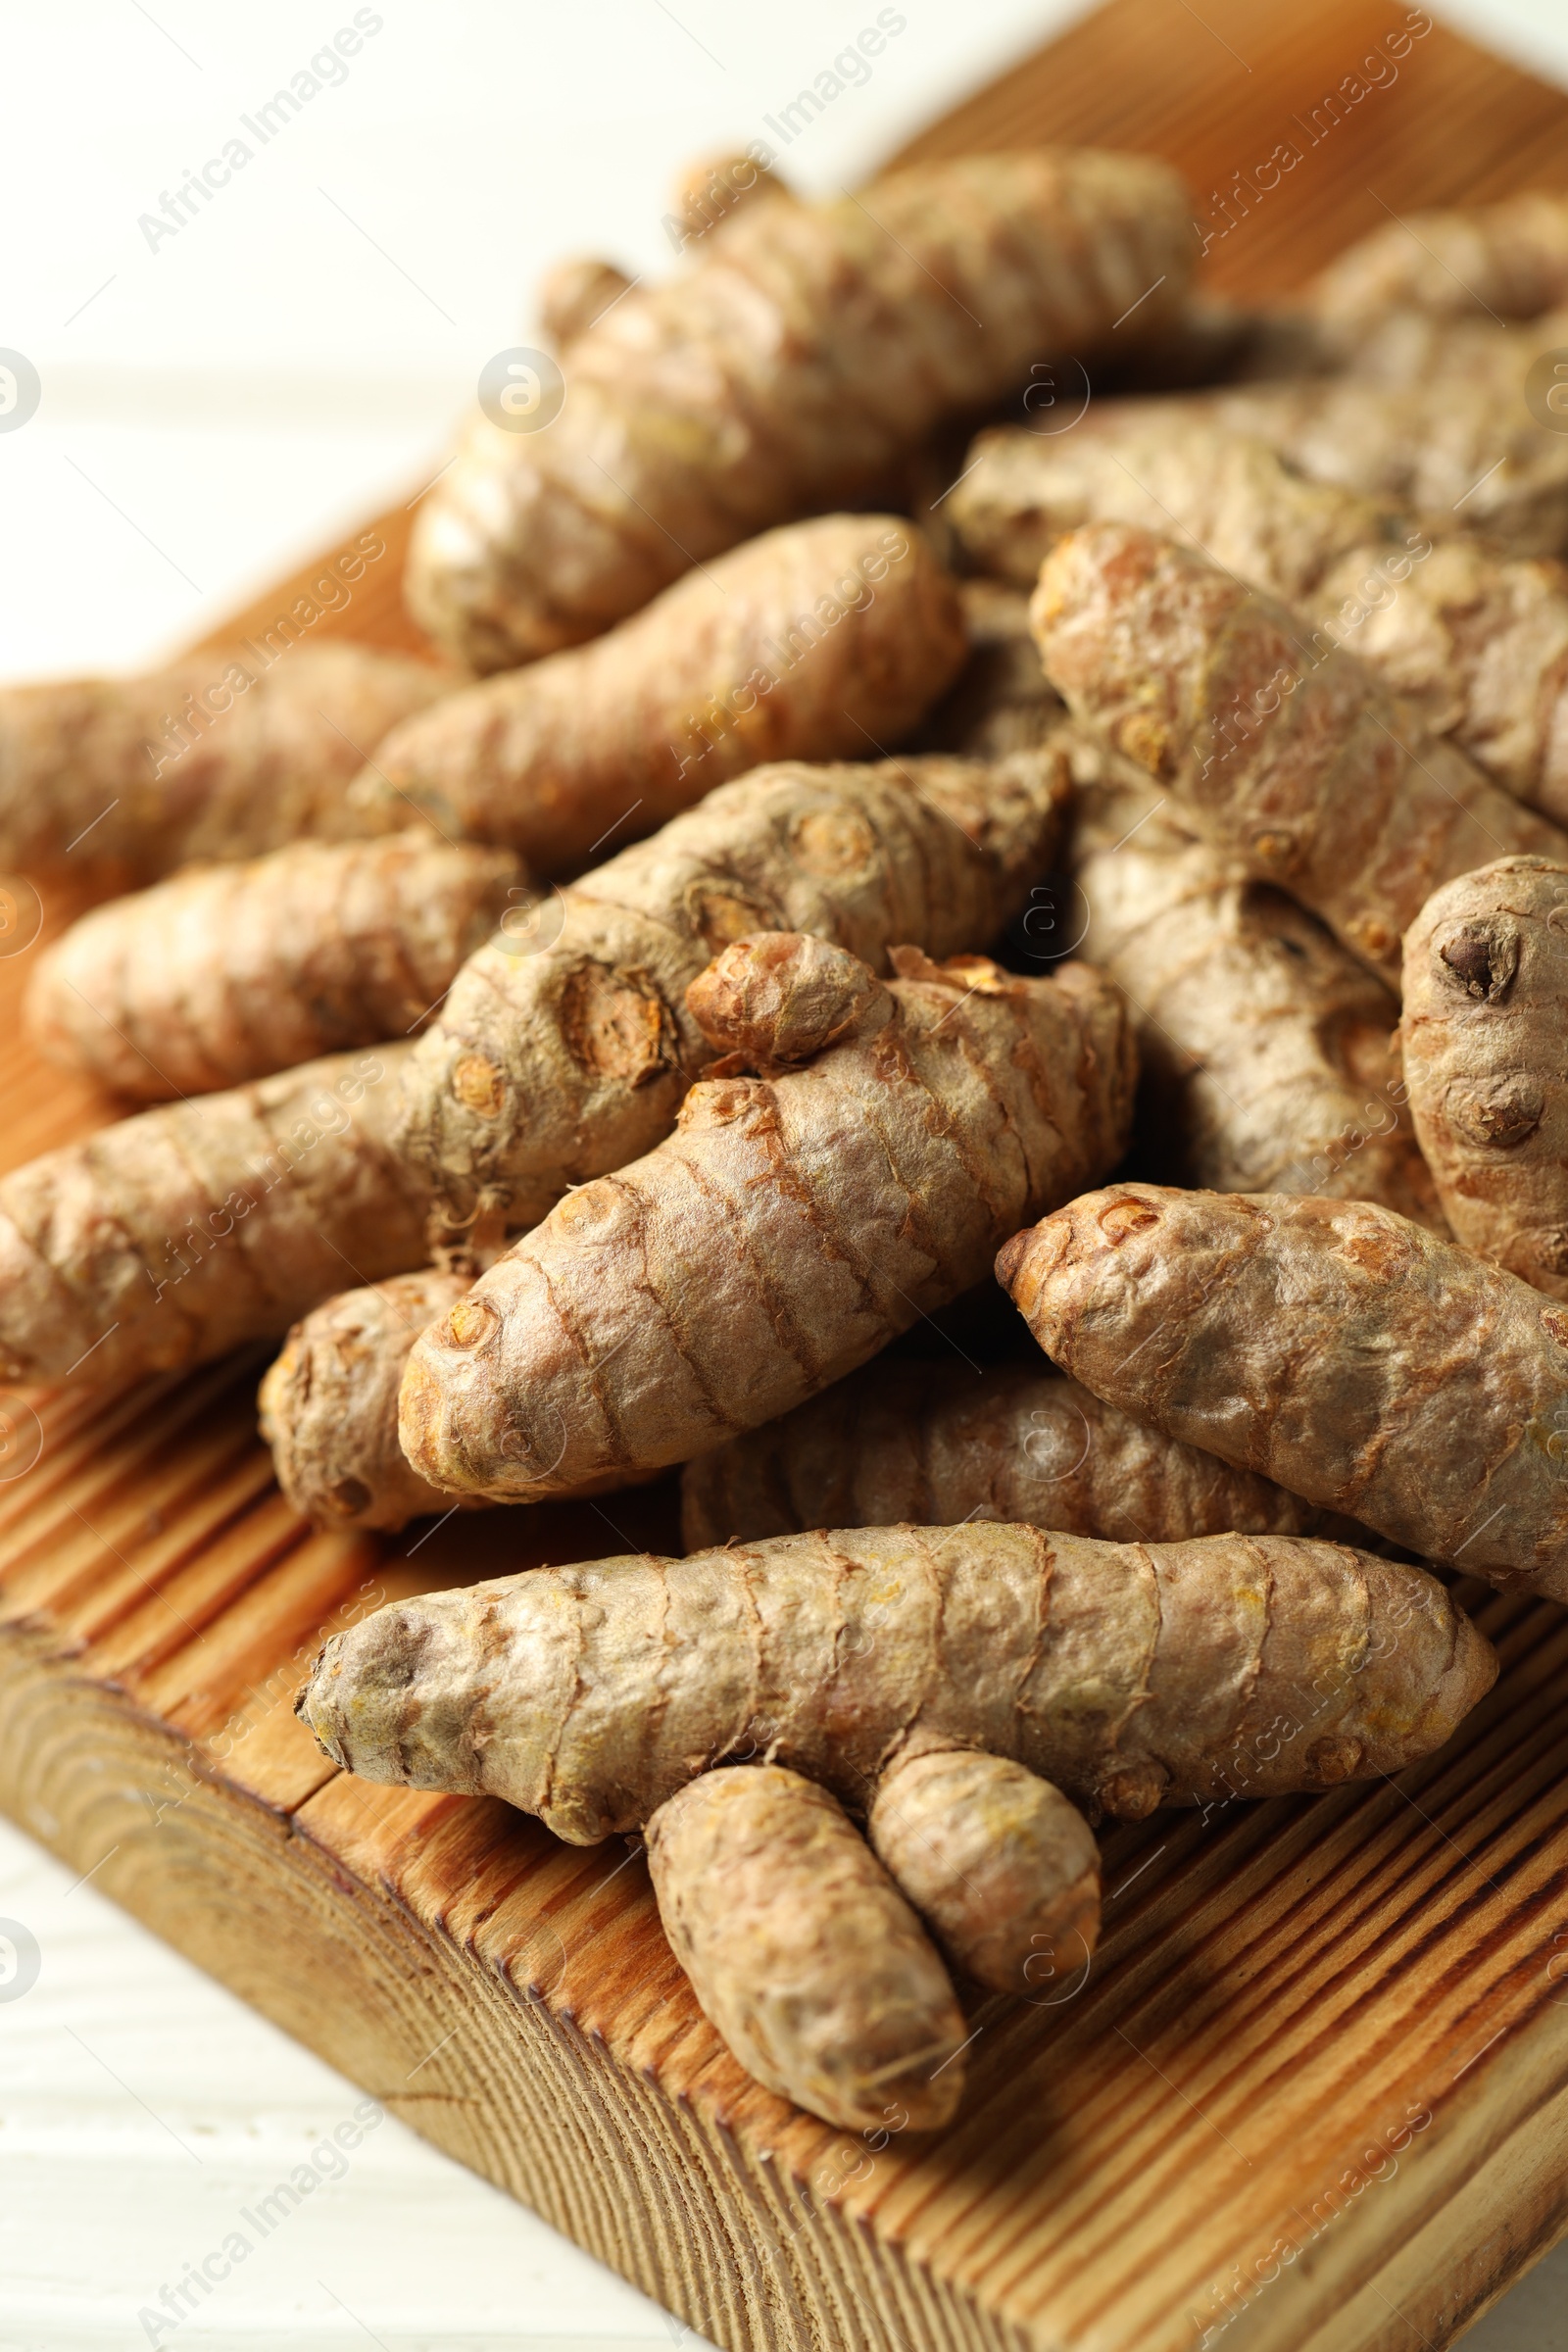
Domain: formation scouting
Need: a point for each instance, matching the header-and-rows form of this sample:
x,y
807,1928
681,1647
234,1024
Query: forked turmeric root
x,y
954,1687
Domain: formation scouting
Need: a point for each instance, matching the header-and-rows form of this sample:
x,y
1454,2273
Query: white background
x,y
213,412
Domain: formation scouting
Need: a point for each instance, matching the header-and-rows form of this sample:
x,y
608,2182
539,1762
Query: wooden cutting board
x,y
1313,2096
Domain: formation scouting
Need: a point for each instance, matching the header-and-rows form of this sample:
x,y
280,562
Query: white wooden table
x,y
145,2117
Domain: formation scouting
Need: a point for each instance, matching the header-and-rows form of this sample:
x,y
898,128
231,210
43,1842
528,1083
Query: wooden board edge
x,y
1449,2273
1425,2240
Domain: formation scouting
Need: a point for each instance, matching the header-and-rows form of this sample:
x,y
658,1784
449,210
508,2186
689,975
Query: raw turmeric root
x,y
188,1230
1235,501
1485,992
893,1667
1440,425
1268,1054
1293,758
330,1403
228,972
1425,413
1003,1869
573,293
546,1068
803,1952
110,782
934,1442
1330,1345
793,1224
1509,259
800,354
711,187
826,640
1476,645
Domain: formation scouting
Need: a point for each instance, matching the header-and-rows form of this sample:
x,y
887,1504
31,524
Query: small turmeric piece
x,y
1485,989
1268,1054
565,1050
999,1865
112,782
184,1232
1509,259
573,293
899,1673
1475,645
330,1403
1331,1344
934,1442
822,641
804,350
709,188
1297,762
229,972
793,1224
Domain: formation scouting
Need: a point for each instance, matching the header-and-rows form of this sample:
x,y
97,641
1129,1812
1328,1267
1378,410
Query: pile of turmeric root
x,y
833,878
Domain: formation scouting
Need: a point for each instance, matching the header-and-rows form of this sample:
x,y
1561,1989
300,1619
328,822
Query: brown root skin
x,y
1178,474
565,1046
933,1442
779,998
1508,260
1475,646
1424,413
1485,988
787,1230
818,641
1428,413
803,1952
785,370
711,187
94,790
1005,1871
1302,766
1128,1675
1268,1054
188,1230
1407,1383
573,293
231,973
329,1405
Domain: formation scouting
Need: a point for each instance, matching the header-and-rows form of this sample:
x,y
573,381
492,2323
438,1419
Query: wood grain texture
x,y
1313,2095
1213,90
